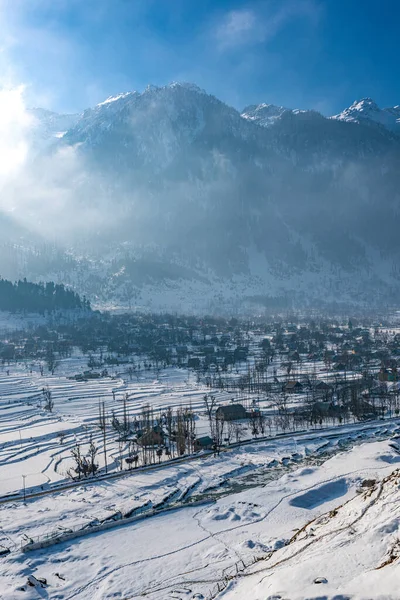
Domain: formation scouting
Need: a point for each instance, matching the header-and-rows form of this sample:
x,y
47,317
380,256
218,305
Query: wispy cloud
x,y
237,27
43,192
261,23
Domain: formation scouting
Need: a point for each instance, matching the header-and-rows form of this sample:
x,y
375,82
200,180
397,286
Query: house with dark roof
x,y
231,412
293,387
323,410
203,443
321,386
151,438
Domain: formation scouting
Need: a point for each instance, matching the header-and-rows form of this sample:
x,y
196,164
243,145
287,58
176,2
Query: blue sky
x,y
322,54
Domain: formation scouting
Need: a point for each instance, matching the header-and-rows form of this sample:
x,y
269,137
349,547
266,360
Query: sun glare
x,y
15,123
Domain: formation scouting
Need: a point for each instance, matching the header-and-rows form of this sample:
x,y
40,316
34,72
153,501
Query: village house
x,y
293,387
231,412
153,437
321,386
327,410
203,443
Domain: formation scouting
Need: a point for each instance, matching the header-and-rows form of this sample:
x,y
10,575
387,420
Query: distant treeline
x,y
38,297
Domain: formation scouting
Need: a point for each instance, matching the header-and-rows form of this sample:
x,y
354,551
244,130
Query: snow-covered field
x,y
226,525
37,444
187,552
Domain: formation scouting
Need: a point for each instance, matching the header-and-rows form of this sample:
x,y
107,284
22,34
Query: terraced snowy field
x,y
37,444
213,525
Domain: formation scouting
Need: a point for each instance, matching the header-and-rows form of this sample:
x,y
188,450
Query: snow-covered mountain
x,y
185,200
268,114
367,111
47,126
263,114
361,111
151,130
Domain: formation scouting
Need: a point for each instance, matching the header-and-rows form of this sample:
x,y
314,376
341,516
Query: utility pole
x,y
24,489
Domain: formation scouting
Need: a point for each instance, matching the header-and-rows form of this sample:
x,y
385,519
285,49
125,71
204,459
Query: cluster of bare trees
x,y
185,431
146,438
259,423
85,464
142,440
156,433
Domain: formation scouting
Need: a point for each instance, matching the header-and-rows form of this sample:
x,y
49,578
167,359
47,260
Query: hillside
x,y
350,552
170,196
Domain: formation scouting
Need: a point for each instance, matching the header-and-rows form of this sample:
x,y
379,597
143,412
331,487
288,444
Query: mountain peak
x,y
367,111
263,114
121,96
175,85
365,104
187,86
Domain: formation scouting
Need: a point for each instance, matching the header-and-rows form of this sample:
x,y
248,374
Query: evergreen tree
x,y
24,296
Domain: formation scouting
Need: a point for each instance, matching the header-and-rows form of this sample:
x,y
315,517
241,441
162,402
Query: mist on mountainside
x,y
173,190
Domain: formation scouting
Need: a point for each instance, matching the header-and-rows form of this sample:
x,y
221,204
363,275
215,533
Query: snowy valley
x,y
197,458
199,300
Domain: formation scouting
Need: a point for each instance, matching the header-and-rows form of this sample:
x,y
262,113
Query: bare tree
x,y
92,465
219,426
48,399
103,427
126,417
51,360
231,431
254,422
76,471
237,428
190,429
282,417
116,424
169,420
85,465
180,432
210,401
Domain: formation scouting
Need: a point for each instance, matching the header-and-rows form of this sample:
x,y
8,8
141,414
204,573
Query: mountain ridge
x,y
197,201
364,109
